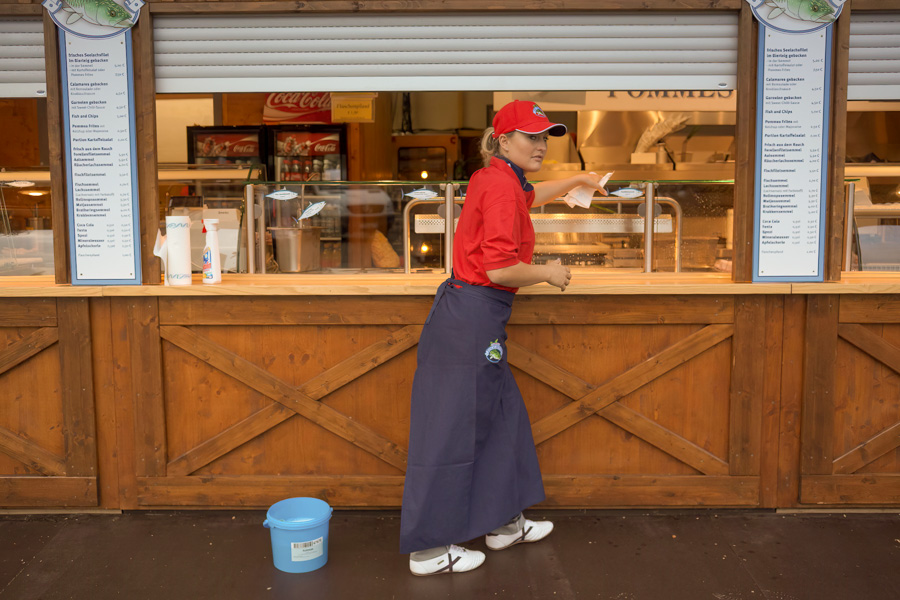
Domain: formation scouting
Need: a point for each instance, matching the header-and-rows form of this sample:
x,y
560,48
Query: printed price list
x,y
790,192
100,160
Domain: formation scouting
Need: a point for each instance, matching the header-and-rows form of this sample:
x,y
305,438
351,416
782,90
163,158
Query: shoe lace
x,y
457,549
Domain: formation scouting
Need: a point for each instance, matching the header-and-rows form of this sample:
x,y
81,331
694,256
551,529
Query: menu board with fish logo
x,y
793,100
98,118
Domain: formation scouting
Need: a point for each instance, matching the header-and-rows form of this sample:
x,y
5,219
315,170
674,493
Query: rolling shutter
x,y
22,58
874,56
421,52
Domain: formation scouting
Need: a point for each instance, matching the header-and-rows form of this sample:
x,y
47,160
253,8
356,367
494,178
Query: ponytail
x,y
490,146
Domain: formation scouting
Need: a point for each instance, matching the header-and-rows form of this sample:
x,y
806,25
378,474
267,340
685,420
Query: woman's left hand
x,y
591,180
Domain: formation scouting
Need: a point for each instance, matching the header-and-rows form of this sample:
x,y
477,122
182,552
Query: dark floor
x,y
612,555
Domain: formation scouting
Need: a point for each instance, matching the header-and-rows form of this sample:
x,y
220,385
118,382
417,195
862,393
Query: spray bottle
x,y
212,265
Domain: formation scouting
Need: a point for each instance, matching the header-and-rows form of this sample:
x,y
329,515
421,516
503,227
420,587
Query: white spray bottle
x,y
212,262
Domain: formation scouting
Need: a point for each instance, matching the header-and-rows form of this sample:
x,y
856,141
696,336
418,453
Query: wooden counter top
x,y
425,285
392,285
856,282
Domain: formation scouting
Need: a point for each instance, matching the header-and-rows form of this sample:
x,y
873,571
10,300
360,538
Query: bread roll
x,y
383,254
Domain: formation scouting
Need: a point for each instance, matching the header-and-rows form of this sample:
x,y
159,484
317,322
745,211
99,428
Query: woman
x,y
472,461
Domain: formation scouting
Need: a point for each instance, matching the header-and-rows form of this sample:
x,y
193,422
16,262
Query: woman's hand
x,y
522,274
591,180
550,190
559,274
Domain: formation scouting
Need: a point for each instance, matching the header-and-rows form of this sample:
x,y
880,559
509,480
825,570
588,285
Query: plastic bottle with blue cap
x,y
212,261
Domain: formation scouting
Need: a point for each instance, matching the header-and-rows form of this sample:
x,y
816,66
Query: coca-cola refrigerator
x,y
224,145
307,152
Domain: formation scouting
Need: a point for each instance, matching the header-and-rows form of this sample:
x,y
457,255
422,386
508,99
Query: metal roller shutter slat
x,y
421,52
22,58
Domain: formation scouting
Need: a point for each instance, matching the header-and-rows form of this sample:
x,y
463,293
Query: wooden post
x,y
747,385
58,188
817,434
145,121
771,404
745,160
792,362
837,147
77,387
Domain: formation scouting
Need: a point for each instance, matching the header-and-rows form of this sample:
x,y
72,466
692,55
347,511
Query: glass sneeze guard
x,y
400,227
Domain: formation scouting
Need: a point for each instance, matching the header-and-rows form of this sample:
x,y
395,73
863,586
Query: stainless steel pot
x,y
297,250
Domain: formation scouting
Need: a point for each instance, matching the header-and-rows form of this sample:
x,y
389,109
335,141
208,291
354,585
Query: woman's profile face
x,y
525,150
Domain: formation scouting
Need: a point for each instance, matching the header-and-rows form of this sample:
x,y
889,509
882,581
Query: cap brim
x,y
555,129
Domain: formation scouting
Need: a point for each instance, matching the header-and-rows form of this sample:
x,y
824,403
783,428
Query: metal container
x,y
297,250
37,223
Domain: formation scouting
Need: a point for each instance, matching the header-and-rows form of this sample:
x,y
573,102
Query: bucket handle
x,y
266,524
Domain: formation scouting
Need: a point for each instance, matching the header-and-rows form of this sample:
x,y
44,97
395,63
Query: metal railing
x,y
649,225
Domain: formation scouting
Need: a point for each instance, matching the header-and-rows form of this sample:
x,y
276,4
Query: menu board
x,y
98,119
102,178
792,137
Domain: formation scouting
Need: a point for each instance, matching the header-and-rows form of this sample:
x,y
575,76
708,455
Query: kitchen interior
x,y
383,183
391,219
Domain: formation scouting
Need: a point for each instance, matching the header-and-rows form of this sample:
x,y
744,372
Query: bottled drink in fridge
x,y
317,169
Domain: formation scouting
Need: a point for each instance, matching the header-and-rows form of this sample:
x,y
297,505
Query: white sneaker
x,y
531,532
456,560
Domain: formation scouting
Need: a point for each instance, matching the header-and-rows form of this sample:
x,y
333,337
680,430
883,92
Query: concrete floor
x,y
610,555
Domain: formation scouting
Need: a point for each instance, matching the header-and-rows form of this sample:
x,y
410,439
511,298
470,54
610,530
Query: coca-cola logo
x,y
244,148
297,107
303,100
330,148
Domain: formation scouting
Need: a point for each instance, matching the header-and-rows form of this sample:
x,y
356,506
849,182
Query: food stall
x,y
664,376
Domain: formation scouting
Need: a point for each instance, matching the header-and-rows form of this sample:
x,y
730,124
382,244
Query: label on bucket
x,y
301,551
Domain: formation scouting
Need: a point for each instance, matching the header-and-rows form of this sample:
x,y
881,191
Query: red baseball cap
x,y
527,117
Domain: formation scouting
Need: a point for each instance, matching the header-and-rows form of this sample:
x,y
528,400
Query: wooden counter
x,y
644,391
395,285
425,285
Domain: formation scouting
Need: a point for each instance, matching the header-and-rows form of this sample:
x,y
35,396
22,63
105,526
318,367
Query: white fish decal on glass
x,y
422,194
311,210
282,195
627,193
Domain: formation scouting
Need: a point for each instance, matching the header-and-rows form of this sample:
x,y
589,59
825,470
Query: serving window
x,y
26,224
389,184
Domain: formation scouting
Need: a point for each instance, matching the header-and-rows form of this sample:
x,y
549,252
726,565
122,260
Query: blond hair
x,y
490,146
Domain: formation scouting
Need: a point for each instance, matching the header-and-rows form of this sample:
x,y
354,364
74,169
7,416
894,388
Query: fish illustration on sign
x,y
422,194
815,11
105,13
282,195
628,193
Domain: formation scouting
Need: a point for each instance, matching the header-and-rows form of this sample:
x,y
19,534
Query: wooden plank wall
x,y
851,424
632,402
639,401
47,434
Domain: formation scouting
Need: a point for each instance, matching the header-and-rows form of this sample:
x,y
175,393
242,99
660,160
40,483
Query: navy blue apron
x,y
472,461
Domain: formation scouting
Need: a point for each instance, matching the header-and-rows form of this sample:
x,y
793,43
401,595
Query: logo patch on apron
x,y
494,352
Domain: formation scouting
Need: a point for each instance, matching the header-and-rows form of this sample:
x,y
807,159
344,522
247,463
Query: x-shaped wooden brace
x,y
21,449
888,439
290,400
603,399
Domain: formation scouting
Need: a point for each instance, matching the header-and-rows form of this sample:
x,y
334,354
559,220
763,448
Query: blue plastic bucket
x,y
299,528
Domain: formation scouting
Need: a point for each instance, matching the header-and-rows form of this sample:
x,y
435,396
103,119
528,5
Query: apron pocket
x,y
442,416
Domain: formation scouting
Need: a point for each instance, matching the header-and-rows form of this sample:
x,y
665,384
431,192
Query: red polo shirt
x,y
494,229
